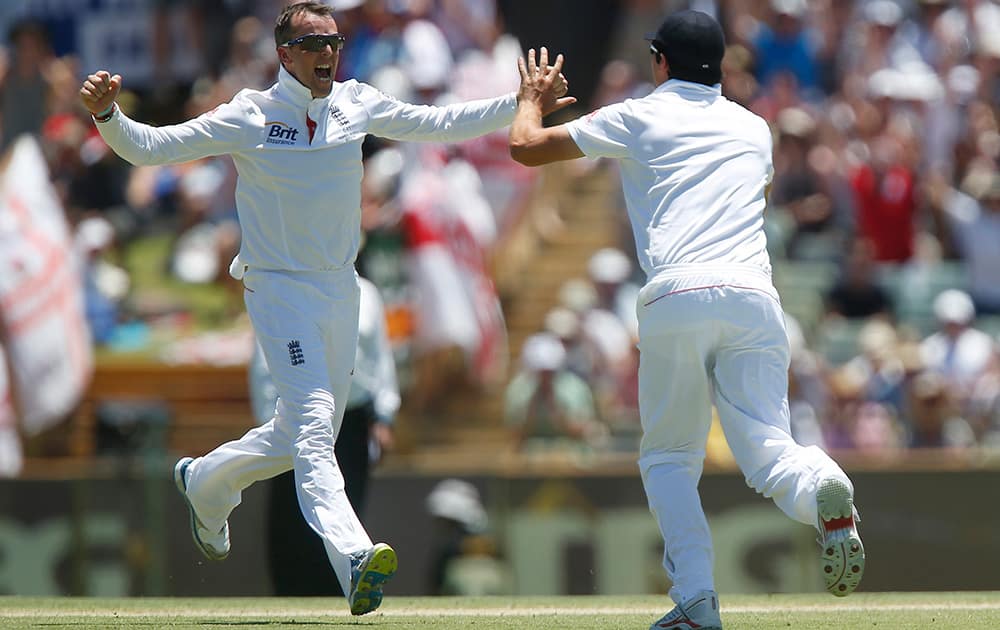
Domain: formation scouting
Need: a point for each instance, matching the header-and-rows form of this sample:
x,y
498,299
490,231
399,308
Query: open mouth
x,y
323,73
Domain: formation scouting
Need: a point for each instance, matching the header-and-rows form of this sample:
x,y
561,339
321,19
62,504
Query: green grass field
x,y
885,611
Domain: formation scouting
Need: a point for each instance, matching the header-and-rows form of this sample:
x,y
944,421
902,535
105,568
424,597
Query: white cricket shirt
x,y
694,168
299,197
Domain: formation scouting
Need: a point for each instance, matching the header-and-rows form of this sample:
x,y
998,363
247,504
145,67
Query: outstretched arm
x,y
394,119
530,143
218,132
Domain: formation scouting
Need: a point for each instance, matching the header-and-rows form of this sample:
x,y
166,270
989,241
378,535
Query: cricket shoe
x,y
213,545
843,555
369,571
700,612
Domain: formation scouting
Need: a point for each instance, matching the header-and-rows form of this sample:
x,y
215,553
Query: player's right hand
x,y
100,90
543,84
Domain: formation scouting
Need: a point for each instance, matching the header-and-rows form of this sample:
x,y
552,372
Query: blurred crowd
x,y
883,223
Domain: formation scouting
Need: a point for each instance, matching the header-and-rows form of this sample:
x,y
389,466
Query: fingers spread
x,y
543,62
522,69
532,67
557,66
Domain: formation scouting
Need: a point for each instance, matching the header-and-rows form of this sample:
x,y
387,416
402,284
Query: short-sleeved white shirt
x,y
694,169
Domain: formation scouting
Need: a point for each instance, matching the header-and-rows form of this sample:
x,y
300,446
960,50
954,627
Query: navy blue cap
x,y
693,44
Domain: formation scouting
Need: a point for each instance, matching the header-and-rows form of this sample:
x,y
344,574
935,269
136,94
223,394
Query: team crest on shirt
x,y
280,133
339,116
295,353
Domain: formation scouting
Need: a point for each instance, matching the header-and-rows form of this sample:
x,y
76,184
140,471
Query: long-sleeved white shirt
x,y
299,194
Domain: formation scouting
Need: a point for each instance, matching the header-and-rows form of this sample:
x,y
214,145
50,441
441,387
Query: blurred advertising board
x,y
558,535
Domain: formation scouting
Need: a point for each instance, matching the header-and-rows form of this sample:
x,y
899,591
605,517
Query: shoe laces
x,y
357,559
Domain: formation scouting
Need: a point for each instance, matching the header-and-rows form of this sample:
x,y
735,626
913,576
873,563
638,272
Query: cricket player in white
x,y
297,149
695,168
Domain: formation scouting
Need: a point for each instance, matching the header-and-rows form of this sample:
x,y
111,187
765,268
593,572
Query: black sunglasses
x,y
315,42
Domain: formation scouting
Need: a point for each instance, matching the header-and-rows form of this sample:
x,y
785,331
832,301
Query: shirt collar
x,y
688,89
297,93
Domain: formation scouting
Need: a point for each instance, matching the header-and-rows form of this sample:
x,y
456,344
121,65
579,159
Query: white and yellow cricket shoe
x,y
370,570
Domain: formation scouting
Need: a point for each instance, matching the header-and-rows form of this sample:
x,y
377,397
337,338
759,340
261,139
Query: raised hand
x,y
99,91
543,84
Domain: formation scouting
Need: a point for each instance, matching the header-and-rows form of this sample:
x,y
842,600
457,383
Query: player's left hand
x,y
544,84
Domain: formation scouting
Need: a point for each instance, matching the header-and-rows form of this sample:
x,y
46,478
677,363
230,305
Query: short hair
x,y
283,25
29,28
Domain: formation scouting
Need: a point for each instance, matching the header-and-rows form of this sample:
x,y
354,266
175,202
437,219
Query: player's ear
x,y
284,56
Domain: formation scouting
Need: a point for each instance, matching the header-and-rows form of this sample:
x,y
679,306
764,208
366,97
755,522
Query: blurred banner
x,y
586,534
46,338
11,456
457,303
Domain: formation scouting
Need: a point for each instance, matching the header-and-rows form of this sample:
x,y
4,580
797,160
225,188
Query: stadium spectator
x,y
935,414
468,25
885,200
611,273
854,423
973,217
808,391
784,49
603,333
984,404
958,352
971,26
881,366
581,356
925,34
105,284
857,294
737,76
24,85
464,557
547,406
449,228
801,191
244,64
884,43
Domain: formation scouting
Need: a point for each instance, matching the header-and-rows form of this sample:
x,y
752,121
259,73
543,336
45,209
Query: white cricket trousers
x,y
307,326
716,337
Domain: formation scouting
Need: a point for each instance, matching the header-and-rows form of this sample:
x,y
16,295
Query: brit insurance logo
x,y
280,133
